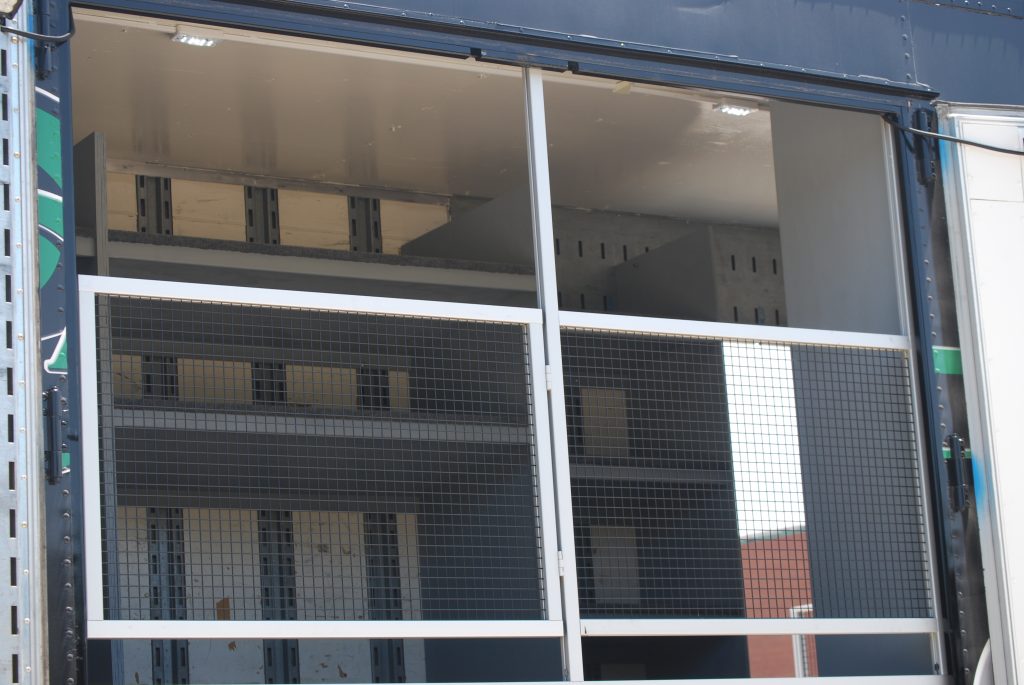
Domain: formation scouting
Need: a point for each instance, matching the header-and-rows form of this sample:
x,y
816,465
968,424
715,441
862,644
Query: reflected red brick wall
x,y
776,578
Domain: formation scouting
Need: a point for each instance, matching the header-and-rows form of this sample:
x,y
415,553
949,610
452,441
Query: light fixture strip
x,y
185,36
736,109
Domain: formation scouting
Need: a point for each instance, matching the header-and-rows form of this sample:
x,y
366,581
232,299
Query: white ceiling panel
x,y
293,108
283,111
654,151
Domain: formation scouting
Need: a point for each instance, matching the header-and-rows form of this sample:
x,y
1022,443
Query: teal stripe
x,y
48,145
948,360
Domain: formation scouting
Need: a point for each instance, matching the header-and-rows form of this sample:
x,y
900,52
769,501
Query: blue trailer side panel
x,y
966,55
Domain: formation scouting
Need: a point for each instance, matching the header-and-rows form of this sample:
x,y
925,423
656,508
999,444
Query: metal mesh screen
x,y
267,463
861,483
653,494
742,479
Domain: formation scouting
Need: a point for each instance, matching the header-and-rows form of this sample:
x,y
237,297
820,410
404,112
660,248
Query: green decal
x,y
49,255
65,461
58,361
48,145
947,453
948,360
51,213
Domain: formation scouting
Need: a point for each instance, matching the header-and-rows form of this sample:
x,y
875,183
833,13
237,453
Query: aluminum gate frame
x,y
928,264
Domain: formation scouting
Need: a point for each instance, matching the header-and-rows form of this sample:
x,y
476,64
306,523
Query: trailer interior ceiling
x,y
284,107
400,447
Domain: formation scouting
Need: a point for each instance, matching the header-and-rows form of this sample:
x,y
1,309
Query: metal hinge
x,y
927,150
55,411
561,565
957,451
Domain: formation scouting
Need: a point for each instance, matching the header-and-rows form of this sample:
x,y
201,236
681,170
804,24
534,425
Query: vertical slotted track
x,y
21,580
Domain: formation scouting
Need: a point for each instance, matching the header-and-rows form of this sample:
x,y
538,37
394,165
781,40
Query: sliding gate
x,y
285,470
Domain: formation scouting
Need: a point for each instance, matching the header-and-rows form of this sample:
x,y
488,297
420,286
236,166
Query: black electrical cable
x,y
42,37
962,141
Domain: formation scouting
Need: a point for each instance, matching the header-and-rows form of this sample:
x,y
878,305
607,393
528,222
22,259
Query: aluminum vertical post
x,y
547,296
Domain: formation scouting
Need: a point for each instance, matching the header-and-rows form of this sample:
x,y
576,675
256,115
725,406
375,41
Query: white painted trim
x,y
667,627
170,290
545,474
547,292
841,680
733,331
952,113
837,680
99,627
46,94
989,489
295,630
90,457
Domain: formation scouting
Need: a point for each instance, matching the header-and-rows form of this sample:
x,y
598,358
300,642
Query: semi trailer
x,y
443,342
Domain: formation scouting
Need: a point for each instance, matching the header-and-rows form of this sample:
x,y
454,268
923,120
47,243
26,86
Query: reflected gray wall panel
x,y
862,494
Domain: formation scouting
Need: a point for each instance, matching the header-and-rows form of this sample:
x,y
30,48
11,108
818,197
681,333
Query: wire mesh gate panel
x,y
739,478
274,466
293,464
